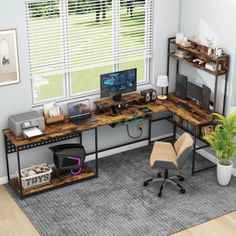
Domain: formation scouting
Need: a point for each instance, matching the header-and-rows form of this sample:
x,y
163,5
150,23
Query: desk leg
x,y
149,131
174,131
81,139
19,170
194,150
177,67
7,162
96,151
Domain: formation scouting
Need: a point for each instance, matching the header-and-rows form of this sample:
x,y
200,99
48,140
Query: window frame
x,y
66,78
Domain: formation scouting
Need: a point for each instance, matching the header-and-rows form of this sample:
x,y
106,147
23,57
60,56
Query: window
x,y
72,42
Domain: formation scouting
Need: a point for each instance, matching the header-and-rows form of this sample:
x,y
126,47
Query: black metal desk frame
x,y
215,74
11,148
195,138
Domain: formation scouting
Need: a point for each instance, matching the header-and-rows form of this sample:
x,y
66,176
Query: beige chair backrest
x,y
183,147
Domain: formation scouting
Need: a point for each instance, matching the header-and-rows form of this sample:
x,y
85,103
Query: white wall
x,y
167,24
18,98
14,98
212,19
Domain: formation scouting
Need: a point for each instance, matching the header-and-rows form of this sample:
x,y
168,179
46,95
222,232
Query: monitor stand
x,y
117,98
105,104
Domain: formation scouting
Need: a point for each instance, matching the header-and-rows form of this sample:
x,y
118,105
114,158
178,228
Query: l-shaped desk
x,y
190,120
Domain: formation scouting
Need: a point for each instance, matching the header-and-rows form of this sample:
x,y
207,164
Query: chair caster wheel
x,y
159,175
181,178
145,184
159,194
183,191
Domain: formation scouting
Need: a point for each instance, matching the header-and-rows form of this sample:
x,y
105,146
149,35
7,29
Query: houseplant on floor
x,y
222,142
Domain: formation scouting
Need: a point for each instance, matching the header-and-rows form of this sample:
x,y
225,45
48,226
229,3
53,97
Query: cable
x,y
128,132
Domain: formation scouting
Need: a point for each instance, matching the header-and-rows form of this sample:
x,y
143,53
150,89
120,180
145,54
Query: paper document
x,y
32,132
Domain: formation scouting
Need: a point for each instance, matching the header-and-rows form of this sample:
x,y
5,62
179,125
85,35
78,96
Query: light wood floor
x,y
13,222
222,226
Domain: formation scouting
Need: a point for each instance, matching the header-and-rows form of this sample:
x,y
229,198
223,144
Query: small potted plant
x,y
210,43
222,142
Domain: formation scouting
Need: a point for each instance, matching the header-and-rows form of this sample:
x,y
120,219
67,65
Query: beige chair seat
x,y
162,153
166,156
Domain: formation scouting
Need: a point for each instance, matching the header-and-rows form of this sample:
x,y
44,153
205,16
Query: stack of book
x,y
181,53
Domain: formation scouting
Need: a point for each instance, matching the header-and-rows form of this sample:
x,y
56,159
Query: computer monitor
x,y
206,97
194,92
116,83
181,86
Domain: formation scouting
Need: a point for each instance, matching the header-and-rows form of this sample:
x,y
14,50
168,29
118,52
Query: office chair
x,y
168,156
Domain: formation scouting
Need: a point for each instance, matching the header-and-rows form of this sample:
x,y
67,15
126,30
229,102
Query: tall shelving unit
x,y
200,52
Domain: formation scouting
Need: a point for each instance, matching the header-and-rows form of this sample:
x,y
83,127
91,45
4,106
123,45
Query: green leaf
x,y
221,139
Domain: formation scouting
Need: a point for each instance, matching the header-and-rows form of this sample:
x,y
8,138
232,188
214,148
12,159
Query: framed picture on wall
x,y
9,66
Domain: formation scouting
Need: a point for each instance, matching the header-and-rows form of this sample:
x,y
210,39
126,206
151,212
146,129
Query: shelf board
x,y
198,53
197,116
201,67
86,173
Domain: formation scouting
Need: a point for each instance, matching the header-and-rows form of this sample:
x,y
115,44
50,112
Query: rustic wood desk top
x,y
197,116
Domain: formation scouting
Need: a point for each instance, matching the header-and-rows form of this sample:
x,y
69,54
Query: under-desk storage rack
x,y
17,145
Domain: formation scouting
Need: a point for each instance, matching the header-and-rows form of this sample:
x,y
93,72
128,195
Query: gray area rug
x,y
117,203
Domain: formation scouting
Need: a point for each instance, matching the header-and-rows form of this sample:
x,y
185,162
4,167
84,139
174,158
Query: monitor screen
x,y
206,96
181,86
78,108
194,91
116,83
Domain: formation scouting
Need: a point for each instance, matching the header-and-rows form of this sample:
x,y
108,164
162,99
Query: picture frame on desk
x,y
219,52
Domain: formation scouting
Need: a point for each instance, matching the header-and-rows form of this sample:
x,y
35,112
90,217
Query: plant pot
x,y
224,173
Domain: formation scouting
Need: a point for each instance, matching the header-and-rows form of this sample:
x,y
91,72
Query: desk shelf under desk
x,y
52,134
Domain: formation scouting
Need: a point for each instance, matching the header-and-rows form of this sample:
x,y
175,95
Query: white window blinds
x,y
45,37
74,35
90,38
57,39
135,30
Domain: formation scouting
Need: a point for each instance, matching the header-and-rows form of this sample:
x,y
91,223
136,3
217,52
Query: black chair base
x,y
166,178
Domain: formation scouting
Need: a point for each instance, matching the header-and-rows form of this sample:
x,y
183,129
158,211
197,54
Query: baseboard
x,y
125,148
4,180
117,150
212,158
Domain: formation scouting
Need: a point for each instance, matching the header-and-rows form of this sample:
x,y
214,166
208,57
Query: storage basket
x,y
35,180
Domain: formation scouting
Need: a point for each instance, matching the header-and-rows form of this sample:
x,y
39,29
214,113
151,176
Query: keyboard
x,y
83,121
184,106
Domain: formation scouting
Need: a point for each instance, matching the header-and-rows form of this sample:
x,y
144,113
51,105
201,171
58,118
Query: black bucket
x,y
69,156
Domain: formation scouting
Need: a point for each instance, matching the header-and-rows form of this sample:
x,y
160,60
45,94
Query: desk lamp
x,y
162,81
